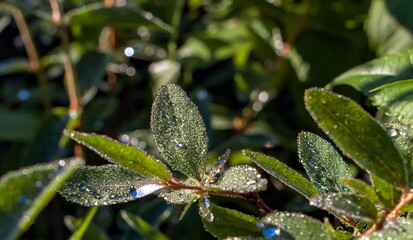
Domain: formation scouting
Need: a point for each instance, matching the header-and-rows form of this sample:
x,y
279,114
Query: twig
x,y
34,61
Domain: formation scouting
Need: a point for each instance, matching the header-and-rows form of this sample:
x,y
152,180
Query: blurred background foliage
x,y
244,63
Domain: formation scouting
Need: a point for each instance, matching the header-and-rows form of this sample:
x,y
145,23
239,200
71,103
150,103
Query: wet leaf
x,y
25,192
142,227
97,15
285,174
388,194
362,188
323,164
400,229
231,223
242,179
357,134
402,136
395,100
350,205
205,208
338,234
179,131
128,156
297,225
107,184
181,196
218,169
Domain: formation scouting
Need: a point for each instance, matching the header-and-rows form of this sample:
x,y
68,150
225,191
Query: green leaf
x,y
231,223
179,131
285,174
242,179
402,136
92,232
338,234
357,134
142,227
182,196
107,184
362,188
350,205
323,164
396,83
395,100
400,229
97,15
299,226
388,194
83,226
24,193
385,33
128,156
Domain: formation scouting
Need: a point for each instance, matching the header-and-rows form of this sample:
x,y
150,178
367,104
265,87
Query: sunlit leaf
x,y
179,131
107,184
357,134
242,179
285,174
231,223
142,227
218,169
350,205
396,100
24,193
297,225
400,229
128,156
323,164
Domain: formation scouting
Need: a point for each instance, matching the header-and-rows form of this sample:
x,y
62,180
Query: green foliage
x,y
24,193
142,227
357,134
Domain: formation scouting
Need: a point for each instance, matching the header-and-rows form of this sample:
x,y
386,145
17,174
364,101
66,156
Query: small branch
x,y
34,61
254,197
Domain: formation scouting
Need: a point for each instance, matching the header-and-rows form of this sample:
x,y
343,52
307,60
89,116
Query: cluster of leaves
x,y
245,64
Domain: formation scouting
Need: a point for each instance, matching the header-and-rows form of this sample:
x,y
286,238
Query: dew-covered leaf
x,y
231,223
400,229
179,131
323,164
98,15
402,136
128,156
244,238
218,168
339,234
205,208
388,194
357,134
242,179
285,174
142,227
25,192
396,100
181,196
107,184
297,225
362,188
350,205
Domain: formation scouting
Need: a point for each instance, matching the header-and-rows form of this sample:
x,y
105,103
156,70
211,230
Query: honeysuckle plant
x,y
372,211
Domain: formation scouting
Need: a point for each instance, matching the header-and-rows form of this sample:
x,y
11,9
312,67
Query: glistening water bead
x,y
133,192
82,187
269,231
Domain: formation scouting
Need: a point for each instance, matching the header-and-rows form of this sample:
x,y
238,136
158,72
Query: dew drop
x,y
271,231
82,187
22,199
133,192
173,118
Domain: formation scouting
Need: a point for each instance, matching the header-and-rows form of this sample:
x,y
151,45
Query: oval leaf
x,y
323,164
231,223
24,193
299,226
285,174
350,205
179,131
107,184
357,134
362,188
128,156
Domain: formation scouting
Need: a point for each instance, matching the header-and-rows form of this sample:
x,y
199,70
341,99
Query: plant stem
x,y
254,197
76,104
34,61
